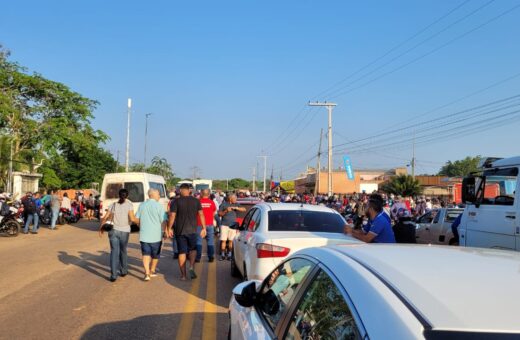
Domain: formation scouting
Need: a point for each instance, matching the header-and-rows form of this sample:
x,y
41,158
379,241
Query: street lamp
x,y
146,136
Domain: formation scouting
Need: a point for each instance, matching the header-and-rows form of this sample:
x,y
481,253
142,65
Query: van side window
x,y
499,187
135,191
112,190
159,187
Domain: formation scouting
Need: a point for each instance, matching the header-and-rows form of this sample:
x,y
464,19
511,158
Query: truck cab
x,y
491,218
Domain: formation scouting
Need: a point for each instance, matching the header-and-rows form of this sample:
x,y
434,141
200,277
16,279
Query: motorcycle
x,y
11,224
45,216
66,216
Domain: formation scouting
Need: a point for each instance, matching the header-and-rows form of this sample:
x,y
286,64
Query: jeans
x,y
54,217
118,256
31,218
210,237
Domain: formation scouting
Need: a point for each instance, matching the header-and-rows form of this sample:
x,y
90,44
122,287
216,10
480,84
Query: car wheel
x,y
234,268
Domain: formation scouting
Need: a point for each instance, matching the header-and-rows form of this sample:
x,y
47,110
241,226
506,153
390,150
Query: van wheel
x,y
234,268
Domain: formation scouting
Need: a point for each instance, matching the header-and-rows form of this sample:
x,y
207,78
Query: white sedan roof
x,y
297,206
452,288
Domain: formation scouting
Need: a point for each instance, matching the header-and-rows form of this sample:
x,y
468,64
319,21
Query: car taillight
x,y
264,250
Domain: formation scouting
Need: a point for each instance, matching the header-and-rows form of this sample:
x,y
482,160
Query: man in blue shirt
x,y
379,228
151,215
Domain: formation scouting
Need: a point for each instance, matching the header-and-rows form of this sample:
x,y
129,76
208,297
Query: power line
x,y
422,42
428,53
399,45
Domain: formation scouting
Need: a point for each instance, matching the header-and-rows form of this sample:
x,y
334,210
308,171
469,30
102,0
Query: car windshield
x,y
301,220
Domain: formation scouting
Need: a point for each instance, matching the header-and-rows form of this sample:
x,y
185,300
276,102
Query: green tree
x,y
47,122
160,166
404,185
460,168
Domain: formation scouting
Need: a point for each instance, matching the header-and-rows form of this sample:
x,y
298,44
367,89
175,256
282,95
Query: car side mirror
x,y
469,190
245,293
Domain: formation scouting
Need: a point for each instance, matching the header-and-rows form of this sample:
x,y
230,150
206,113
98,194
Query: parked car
x,y
382,292
434,227
248,203
272,231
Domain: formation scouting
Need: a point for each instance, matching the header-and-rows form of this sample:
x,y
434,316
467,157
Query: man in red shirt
x,y
209,209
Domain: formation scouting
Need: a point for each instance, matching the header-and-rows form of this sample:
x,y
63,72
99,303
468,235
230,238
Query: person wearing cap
x,y
182,224
379,227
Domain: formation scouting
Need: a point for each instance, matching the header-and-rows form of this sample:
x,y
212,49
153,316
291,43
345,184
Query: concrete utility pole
x,y
413,156
265,169
318,168
146,136
10,179
329,107
254,179
196,171
128,134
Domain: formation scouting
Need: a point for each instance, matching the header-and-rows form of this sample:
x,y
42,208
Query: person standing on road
x,y
30,213
183,214
151,222
121,213
379,228
55,208
229,226
65,203
209,209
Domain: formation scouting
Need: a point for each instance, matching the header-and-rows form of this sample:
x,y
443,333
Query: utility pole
x,y
413,156
227,184
117,161
318,168
146,135
196,171
265,170
10,179
254,179
329,107
128,134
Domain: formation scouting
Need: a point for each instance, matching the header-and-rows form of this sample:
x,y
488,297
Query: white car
x,y
272,231
382,292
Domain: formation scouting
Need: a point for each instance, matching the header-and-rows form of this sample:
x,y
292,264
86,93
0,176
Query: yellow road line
x,y
188,316
209,331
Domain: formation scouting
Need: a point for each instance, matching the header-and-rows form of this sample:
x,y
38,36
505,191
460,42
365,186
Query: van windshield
x,y
499,187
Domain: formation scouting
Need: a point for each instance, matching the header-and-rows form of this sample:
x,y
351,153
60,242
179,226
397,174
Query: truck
x,y
491,218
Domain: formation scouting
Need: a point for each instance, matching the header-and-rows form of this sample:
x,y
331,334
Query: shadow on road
x,y
97,264
163,326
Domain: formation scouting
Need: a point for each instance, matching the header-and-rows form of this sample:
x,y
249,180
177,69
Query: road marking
x,y
209,331
186,324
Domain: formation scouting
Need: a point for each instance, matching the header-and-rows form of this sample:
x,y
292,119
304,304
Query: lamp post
x,y
146,136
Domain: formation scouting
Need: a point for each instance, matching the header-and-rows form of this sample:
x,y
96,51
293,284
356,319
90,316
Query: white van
x,y
492,218
137,184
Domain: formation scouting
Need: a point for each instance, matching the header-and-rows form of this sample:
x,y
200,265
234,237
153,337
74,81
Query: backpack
x,y
29,206
4,210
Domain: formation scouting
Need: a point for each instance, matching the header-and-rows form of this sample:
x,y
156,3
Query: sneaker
x,y
113,279
229,256
147,277
211,259
123,275
153,274
222,258
193,275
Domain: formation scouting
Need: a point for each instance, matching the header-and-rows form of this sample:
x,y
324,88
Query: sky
x,y
227,81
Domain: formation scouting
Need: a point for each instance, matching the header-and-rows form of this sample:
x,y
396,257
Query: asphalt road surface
x,y
54,285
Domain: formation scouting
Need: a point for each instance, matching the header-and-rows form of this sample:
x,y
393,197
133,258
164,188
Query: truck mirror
x,y
469,194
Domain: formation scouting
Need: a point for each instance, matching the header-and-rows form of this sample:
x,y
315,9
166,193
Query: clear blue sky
x,y
225,79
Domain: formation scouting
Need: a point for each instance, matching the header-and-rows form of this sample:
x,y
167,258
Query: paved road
x,y
54,286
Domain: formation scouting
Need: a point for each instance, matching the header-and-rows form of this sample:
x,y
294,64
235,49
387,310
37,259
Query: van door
x,y
493,223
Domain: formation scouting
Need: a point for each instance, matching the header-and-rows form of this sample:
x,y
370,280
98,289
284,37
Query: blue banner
x,y
348,168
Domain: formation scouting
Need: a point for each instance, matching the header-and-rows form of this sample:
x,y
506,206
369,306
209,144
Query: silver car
x,y
434,227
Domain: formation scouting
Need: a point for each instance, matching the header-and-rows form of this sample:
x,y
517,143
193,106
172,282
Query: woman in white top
x,y
121,213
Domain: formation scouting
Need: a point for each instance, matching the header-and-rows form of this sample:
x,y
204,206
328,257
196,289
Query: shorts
x,y
227,233
186,243
151,249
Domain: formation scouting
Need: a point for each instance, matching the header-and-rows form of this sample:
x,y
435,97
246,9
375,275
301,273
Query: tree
x,y
47,122
160,166
460,168
403,185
